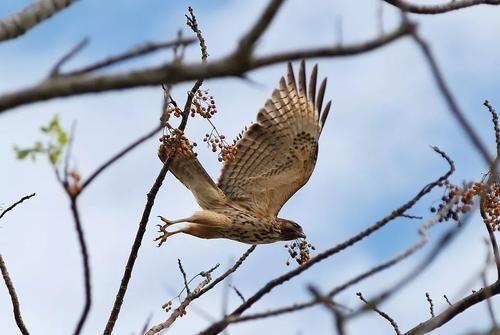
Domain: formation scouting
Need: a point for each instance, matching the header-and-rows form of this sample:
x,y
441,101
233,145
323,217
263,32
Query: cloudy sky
x,y
374,155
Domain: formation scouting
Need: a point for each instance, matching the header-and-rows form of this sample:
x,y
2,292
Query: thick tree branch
x,y
19,23
172,73
13,297
439,9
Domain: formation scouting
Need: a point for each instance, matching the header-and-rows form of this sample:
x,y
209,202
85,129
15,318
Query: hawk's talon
x,y
162,238
167,221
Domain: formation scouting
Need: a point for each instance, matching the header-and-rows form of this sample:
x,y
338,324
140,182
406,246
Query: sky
x,y
374,155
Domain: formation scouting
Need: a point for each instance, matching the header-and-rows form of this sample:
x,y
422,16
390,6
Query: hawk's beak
x,y
302,235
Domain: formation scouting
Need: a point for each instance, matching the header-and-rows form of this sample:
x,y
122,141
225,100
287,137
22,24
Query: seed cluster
x,y
462,199
176,140
204,105
217,141
299,250
491,206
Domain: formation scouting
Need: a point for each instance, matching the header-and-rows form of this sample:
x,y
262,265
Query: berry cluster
x,y
176,140
217,141
203,104
299,250
461,199
491,206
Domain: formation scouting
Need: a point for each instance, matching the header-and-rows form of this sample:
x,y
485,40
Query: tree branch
x,y
117,156
450,100
439,9
13,297
171,73
142,50
86,266
457,308
19,23
11,207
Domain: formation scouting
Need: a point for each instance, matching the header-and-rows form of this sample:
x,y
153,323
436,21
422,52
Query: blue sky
x,y
374,155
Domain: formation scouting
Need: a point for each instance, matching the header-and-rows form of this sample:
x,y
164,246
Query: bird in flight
x,y
275,157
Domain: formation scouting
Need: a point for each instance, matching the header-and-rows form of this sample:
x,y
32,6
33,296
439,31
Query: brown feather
x,y
276,155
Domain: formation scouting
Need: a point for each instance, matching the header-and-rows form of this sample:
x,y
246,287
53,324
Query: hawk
x,y
275,157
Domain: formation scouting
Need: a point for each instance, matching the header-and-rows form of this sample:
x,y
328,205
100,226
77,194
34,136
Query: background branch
x,y
13,297
439,9
19,23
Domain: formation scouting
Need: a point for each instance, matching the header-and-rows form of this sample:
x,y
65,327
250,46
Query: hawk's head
x,y
290,230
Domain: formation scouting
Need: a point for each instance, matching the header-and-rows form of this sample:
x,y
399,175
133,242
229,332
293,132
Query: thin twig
x,y
202,290
238,293
11,207
186,286
65,58
181,310
439,9
379,312
447,300
494,119
431,304
13,297
119,155
136,52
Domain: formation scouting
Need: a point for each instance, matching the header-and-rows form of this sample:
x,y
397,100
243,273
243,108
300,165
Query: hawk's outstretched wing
x,y
277,154
186,167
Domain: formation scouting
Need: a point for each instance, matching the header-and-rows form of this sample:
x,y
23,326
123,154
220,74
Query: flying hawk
x,y
275,158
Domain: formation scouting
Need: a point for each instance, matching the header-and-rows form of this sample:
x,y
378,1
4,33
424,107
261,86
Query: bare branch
x,y
439,9
142,50
70,54
447,300
119,155
13,297
39,11
181,310
431,304
379,312
494,119
238,293
171,73
86,266
248,41
141,230
184,276
457,308
450,100
11,207
147,209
